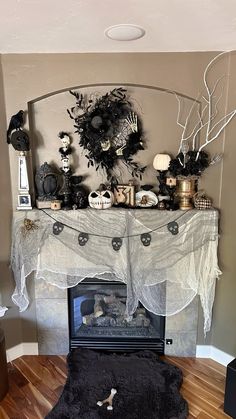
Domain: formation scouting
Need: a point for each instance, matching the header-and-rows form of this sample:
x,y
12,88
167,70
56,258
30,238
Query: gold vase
x,y
185,190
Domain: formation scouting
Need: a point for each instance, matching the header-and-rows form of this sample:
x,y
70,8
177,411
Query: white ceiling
x,y
78,25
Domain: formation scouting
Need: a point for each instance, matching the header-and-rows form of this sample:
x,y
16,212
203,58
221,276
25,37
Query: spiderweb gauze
x,y
164,276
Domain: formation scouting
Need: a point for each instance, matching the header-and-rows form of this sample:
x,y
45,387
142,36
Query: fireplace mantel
x,y
176,261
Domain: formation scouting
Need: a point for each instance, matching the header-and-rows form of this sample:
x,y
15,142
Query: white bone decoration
x,y
108,400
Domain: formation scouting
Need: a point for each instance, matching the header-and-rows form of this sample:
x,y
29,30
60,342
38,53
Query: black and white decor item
x,y
109,131
19,139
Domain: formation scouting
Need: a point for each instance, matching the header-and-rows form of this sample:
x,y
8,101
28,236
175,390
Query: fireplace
x,y
97,319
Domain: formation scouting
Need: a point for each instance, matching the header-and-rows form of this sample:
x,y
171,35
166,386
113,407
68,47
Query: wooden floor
x,y
36,383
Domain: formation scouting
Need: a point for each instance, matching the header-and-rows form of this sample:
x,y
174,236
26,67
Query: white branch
x,y
207,115
217,82
184,126
200,116
209,93
180,161
178,115
230,115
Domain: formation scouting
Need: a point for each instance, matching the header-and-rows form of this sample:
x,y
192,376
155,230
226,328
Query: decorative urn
x,y
185,190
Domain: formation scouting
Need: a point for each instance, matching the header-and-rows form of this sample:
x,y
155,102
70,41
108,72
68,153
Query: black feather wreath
x,y
105,132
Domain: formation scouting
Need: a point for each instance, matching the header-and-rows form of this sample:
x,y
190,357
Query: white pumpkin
x,y
101,199
146,199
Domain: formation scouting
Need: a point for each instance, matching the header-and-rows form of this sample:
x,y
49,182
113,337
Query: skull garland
x,y
116,243
146,239
83,239
173,227
57,228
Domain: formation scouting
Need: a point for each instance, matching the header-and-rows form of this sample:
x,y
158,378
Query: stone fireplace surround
x,y
53,332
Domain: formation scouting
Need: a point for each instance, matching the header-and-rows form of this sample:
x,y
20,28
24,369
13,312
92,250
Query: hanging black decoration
x,y
116,243
57,228
109,130
83,239
146,239
173,227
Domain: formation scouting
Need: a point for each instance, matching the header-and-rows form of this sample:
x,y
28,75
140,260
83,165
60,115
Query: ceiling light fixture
x,y
124,32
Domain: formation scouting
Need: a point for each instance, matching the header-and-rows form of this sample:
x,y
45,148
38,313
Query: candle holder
x,y
162,182
171,188
65,151
66,190
161,164
24,198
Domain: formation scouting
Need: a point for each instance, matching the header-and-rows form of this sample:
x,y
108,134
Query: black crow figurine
x,y
16,123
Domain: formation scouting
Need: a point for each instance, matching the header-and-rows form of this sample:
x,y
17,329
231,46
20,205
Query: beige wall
x,y
11,322
27,77
224,330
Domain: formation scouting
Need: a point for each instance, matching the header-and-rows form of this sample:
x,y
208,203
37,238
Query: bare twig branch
x,y
222,119
185,126
207,116
230,116
209,93
201,125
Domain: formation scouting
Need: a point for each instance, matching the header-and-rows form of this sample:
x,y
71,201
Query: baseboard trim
x,y
209,351
203,351
27,348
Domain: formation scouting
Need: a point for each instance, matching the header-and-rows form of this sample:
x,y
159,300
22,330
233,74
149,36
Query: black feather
x,y
16,122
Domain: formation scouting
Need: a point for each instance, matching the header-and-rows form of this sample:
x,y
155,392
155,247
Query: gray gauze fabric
x,y
164,276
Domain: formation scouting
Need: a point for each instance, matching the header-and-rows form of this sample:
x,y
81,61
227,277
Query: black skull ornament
x,y
146,239
83,239
116,243
57,228
173,227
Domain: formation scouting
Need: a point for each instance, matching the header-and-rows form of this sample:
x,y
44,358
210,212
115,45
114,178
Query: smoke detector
x,y
124,32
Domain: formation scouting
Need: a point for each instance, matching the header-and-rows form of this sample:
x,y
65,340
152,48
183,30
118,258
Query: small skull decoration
x,y
83,239
146,239
173,227
116,243
57,228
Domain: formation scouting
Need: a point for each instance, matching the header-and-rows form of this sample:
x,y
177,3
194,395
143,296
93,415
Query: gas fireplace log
x,y
98,310
88,319
99,305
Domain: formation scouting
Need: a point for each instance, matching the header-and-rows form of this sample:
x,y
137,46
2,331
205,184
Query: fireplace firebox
x,y
97,319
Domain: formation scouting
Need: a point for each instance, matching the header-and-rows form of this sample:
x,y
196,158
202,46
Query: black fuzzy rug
x,y
147,388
